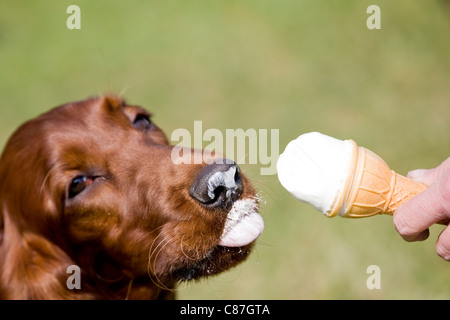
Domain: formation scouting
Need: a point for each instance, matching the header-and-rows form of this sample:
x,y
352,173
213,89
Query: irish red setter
x,y
90,186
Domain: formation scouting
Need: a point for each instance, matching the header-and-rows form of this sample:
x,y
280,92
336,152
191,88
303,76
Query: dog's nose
x,y
217,185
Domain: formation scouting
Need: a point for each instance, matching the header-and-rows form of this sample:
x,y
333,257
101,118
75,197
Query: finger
x,y
415,216
443,244
425,176
407,230
428,176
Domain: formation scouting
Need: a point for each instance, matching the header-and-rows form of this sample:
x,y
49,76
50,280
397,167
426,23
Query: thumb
x,y
428,176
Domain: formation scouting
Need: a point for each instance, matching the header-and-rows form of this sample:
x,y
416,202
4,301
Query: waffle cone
x,y
372,188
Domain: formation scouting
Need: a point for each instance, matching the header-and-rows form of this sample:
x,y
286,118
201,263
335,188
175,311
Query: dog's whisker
x,y
47,176
151,269
182,250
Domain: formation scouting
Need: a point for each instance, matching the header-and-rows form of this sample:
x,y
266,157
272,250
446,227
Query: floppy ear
x,y
31,266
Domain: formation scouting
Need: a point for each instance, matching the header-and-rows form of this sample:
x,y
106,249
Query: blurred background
x,y
293,65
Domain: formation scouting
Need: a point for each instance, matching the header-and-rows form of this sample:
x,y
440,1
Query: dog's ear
x,y
31,266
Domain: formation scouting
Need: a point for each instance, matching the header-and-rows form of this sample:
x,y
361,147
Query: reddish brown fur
x,y
135,232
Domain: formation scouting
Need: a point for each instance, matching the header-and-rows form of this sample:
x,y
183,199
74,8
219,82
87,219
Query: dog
x,y
88,192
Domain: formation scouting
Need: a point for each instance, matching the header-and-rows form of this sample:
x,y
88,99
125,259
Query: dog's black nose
x,y
218,185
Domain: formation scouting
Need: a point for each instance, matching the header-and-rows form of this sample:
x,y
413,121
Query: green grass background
x,y
293,65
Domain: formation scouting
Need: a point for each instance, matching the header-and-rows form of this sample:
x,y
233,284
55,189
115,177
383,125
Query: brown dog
x,y
91,184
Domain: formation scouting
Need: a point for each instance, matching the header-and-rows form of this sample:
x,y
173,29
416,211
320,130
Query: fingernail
x,y
416,174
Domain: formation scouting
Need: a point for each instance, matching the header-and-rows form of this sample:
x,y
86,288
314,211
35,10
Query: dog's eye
x,y
142,122
78,185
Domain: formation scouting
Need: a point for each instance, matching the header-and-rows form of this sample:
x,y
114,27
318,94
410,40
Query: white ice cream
x,y
313,168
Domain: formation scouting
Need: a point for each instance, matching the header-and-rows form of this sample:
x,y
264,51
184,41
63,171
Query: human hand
x,y
414,217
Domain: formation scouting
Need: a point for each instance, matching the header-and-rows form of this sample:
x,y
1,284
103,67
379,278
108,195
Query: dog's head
x,y
95,179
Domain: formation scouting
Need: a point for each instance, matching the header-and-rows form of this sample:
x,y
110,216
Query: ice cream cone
x,y
371,187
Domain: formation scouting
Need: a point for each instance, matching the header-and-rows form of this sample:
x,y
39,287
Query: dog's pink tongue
x,y
243,232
